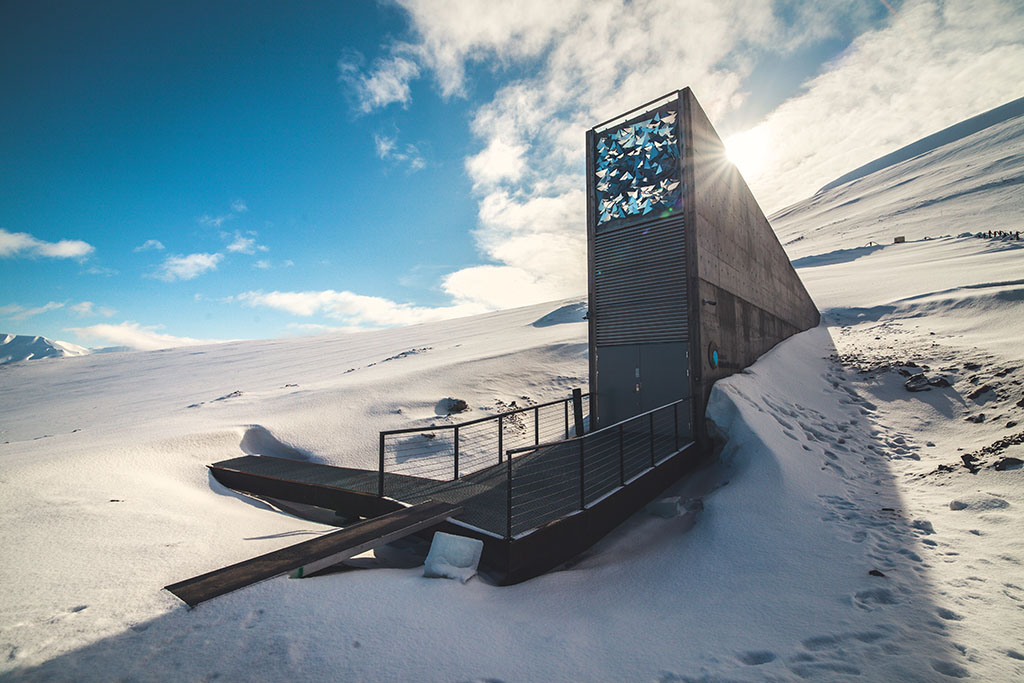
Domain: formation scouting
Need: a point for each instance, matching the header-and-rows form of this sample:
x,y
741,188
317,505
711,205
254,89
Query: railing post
x,y
577,410
456,453
536,426
675,423
380,480
583,489
501,433
652,439
622,459
508,519
566,406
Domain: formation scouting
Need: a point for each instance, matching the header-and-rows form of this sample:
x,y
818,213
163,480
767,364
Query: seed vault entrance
x,y
687,280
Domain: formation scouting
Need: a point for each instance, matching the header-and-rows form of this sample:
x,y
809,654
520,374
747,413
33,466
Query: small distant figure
x,y
900,239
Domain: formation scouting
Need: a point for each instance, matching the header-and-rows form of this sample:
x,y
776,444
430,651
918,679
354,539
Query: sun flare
x,y
748,151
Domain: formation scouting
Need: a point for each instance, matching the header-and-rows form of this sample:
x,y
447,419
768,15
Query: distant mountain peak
x,y
19,347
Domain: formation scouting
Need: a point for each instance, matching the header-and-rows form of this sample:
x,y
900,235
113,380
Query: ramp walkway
x,y
534,506
313,555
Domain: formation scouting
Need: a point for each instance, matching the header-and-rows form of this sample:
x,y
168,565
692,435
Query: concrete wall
x,y
748,295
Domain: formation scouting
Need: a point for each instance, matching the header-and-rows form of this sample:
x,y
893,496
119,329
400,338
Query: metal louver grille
x,y
640,284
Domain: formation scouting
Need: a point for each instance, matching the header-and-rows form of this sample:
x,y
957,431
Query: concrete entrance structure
x,y
688,282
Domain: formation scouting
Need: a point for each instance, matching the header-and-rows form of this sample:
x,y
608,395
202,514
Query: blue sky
x,y
178,172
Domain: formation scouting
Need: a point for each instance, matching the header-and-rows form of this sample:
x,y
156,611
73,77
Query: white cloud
x,y
86,309
23,244
187,267
101,270
150,245
932,66
579,62
215,221
499,161
262,264
16,312
386,83
314,328
237,206
133,335
356,309
242,244
409,155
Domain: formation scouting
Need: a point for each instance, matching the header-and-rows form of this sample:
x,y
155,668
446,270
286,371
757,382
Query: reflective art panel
x,y
637,169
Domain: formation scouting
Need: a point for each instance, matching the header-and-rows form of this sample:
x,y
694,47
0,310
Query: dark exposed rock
x,y
979,391
455,405
970,462
917,382
977,419
875,572
1009,463
1011,424
972,366
938,382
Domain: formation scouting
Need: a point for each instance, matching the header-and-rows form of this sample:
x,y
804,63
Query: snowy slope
x,y
841,535
18,347
973,183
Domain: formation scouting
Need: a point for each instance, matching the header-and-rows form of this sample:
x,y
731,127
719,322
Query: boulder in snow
x,y
917,382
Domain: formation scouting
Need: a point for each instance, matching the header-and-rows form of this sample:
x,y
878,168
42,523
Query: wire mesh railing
x,y
548,481
518,470
448,452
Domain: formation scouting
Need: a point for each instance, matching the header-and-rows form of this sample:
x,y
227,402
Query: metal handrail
x,y
523,449
649,106
410,430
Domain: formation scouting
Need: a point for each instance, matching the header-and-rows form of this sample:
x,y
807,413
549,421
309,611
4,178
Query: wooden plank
x,y
351,541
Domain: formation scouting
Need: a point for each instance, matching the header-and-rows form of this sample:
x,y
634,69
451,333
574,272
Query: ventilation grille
x,y
640,284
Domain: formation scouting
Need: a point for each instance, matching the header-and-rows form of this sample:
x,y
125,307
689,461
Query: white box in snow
x,y
453,557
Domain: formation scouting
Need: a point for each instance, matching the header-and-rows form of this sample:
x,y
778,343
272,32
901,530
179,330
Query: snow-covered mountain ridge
x,y
19,347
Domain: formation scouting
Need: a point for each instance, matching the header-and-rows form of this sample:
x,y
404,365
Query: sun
x,y
748,151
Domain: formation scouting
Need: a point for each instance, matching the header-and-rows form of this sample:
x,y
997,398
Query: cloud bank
x,y
135,336
355,309
906,75
14,244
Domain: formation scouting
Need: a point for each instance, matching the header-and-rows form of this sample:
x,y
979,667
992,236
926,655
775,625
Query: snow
x,y
19,347
837,534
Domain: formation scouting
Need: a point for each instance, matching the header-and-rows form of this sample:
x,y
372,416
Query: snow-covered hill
x,y
851,529
972,183
18,347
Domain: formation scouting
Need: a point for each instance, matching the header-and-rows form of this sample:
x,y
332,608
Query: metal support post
x,y
583,489
501,434
622,459
380,481
456,478
652,439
